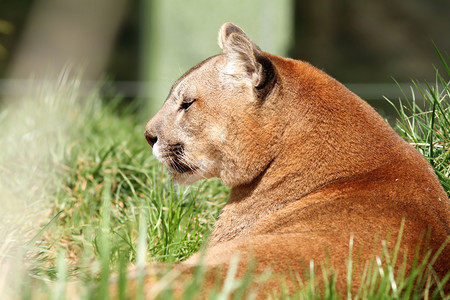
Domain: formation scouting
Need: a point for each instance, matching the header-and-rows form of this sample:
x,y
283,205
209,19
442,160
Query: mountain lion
x,y
311,166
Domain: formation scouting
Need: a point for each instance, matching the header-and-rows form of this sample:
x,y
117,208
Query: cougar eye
x,y
187,103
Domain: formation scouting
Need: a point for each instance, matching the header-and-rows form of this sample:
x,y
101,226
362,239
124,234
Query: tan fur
x,y
310,164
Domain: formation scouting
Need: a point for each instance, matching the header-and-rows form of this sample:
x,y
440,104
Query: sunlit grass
x,y
427,125
34,135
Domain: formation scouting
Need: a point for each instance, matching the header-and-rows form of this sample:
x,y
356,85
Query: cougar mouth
x,y
178,161
180,167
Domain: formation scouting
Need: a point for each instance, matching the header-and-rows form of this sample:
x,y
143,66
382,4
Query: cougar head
x,y
217,120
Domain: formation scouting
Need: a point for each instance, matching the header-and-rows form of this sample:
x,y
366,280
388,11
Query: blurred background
x,y
140,47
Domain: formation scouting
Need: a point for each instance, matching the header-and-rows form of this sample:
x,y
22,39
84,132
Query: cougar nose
x,y
151,139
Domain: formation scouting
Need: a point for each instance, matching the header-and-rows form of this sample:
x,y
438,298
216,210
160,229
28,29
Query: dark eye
x,y
186,103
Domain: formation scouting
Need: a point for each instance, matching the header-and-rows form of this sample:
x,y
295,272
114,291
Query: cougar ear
x,y
244,57
226,30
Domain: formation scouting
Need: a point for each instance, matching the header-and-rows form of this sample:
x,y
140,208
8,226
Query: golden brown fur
x,y
310,164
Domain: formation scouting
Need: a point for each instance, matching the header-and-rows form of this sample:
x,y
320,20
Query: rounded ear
x,y
226,30
244,57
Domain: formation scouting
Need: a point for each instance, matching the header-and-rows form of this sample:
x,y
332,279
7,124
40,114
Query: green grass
x,y
426,124
84,199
